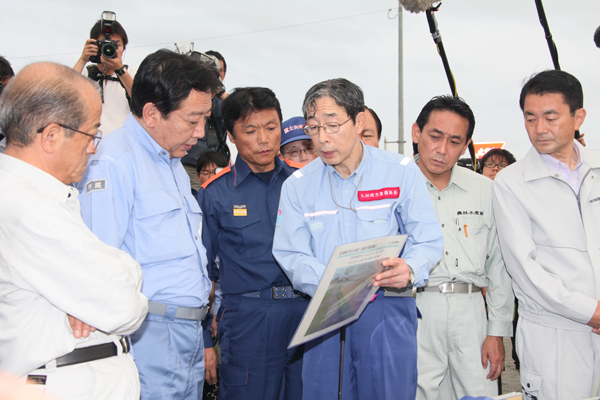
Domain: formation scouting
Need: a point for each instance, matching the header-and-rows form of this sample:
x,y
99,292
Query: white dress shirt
x,y
52,265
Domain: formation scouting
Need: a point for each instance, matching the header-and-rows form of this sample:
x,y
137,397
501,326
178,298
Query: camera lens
x,y
109,50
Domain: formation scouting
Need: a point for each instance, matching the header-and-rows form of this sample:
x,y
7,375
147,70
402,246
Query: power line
x,y
222,36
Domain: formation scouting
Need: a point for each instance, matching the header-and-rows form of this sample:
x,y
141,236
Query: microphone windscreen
x,y
597,37
416,6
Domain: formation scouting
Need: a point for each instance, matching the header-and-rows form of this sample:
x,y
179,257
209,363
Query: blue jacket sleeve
x,y
209,231
416,215
208,340
107,210
291,244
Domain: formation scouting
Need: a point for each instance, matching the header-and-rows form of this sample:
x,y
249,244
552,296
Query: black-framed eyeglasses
x,y
491,165
329,127
96,137
297,152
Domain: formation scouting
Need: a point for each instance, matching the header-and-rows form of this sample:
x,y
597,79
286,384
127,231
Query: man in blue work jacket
x,y
136,196
260,311
357,192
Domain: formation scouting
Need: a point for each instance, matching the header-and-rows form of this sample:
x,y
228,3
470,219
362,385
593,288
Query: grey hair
x,y
345,93
31,102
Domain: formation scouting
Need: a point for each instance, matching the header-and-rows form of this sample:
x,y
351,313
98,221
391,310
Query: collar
x,y
457,177
534,166
557,164
40,179
146,140
242,170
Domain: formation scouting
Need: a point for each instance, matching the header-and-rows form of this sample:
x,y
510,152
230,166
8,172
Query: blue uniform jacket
x,y
137,199
388,195
240,210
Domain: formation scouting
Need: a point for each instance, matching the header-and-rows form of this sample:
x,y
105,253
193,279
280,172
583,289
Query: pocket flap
x,y
530,381
374,213
231,221
156,203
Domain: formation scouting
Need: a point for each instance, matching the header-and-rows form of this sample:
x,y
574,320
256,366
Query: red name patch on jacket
x,y
385,193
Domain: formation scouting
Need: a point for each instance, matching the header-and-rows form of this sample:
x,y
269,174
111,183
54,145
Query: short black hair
x,y
6,70
96,31
500,153
219,57
553,81
166,78
377,121
242,102
210,157
448,103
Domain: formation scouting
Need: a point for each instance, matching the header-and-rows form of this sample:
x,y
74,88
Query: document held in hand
x,y
345,288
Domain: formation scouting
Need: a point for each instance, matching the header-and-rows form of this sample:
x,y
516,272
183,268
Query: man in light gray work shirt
x,y
548,211
460,351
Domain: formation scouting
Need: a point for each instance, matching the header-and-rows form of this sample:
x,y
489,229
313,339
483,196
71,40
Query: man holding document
x,y
353,194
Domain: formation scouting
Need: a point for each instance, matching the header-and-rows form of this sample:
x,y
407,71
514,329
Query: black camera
x,y
106,47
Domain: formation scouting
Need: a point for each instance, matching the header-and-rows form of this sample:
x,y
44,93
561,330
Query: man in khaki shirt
x,y
460,352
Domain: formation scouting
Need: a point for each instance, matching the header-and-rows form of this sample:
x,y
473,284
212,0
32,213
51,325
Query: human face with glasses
x,y
302,151
335,136
208,171
493,165
70,146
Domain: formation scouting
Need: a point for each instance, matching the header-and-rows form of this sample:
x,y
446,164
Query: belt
x,y
451,287
196,314
92,353
276,293
404,292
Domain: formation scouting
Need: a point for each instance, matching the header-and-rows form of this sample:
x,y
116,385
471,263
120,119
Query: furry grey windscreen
x,y
416,6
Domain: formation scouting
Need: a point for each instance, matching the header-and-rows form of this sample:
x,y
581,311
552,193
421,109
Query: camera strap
x,y
96,75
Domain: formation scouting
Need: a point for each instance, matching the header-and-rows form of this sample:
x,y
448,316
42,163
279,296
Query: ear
x,y
466,147
151,115
231,137
579,118
51,138
416,133
360,122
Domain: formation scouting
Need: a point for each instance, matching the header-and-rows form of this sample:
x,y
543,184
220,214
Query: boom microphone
x,y
416,6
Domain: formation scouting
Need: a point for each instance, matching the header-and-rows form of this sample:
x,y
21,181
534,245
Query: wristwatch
x,y
411,280
121,71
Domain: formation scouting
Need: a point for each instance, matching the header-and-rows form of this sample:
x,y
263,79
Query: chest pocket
x,y
473,235
161,228
375,222
322,227
244,236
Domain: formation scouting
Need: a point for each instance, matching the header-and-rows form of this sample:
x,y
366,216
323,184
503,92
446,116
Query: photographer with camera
x,y
105,48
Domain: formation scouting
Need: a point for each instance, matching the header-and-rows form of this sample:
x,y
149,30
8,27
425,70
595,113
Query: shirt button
x,y
556,175
164,153
345,191
439,198
446,253
196,237
348,224
442,225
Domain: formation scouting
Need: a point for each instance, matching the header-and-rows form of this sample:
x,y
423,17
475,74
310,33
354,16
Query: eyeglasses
x,y
491,165
208,172
96,137
296,153
329,127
